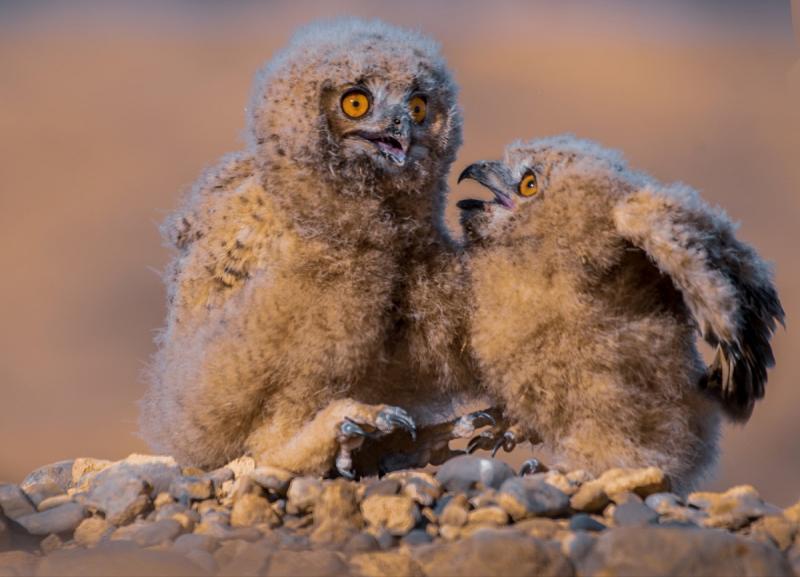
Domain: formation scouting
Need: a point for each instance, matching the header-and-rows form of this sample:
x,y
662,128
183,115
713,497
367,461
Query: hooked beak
x,y
494,176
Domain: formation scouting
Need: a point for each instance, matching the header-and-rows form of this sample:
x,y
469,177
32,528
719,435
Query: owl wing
x,y
726,285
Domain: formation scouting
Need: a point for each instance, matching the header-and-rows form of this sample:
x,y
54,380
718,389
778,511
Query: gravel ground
x,y
474,516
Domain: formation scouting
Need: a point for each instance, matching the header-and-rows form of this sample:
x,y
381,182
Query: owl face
x,y
388,125
536,179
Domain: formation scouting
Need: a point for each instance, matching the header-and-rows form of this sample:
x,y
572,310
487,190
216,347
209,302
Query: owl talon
x,y
392,418
531,467
465,426
483,441
349,429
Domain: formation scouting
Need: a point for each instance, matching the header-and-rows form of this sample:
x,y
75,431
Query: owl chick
x,y
589,282
313,288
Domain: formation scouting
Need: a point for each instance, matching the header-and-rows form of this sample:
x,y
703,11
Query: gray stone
x,y
591,497
146,534
119,559
51,502
305,564
188,489
399,514
84,468
118,493
250,509
732,509
634,514
14,502
60,519
671,509
584,522
272,479
492,552
51,543
302,494
385,563
656,551
157,471
192,541
576,546
383,487
361,542
92,531
419,485
464,472
416,537
336,514
524,497
48,481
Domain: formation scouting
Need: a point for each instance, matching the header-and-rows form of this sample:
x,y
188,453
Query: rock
x,y
397,513
187,518
305,564
416,537
187,489
455,513
792,513
419,485
60,519
191,542
383,563
493,516
93,531
302,494
591,497
48,481
157,471
361,542
541,528
523,497
450,532
732,509
162,500
14,502
146,534
251,510
584,522
576,546
13,563
383,487
492,552
85,467
120,559
656,551
51,543
634,514
249,559
52,502
559,481
643,482
669,507
203,559
776,529
464,472
242,467
336,514
272,479
219,477
119,494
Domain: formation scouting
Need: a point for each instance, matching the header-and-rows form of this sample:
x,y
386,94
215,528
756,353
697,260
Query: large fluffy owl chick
x,y
590,282
306,290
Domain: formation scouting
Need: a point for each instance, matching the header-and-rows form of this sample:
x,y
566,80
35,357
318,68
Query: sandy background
x,y
107,111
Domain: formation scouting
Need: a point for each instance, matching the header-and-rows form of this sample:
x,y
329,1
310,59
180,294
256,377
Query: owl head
x,y
559,189
369,106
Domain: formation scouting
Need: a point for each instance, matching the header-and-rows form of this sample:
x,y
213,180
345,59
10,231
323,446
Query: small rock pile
x,y
475,516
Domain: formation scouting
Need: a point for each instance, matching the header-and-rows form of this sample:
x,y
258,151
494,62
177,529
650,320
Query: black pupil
x,y
356,103
417,109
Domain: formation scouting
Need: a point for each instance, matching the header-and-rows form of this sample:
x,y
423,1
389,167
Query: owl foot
x,y
496,438
352,432
531,467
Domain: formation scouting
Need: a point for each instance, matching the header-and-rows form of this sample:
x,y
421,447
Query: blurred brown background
x,y
109,110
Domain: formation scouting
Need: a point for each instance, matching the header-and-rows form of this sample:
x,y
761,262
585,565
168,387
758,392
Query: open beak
x,y
494,176
392,144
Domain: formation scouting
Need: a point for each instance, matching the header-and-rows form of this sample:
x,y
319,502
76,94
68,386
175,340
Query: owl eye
x,y
418,108
355,103
528,186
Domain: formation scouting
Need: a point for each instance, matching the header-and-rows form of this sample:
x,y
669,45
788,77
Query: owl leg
x,y
313,447
503,435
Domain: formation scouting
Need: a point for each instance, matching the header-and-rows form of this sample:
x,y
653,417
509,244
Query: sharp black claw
x,y
398,418
350,428
347,474
480,442
530,467
485,416
499,443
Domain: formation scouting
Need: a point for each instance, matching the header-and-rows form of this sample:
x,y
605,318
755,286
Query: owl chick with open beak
x,y
589,284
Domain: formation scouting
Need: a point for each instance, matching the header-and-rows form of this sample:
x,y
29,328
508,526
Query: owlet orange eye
x,y
355,103
528,185
418,108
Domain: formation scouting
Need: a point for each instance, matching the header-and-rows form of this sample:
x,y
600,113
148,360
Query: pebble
x,y
584,522
119,494
85,468
188,489
399,514
464,472
775,528
591,497
384,563
336,514
92,531
146,534
48,481
455,513
732,509
302,494
492,515
524,497
60,519
361,542
383,487
420,486
14,502
643,482
634,514
251,510
272,479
